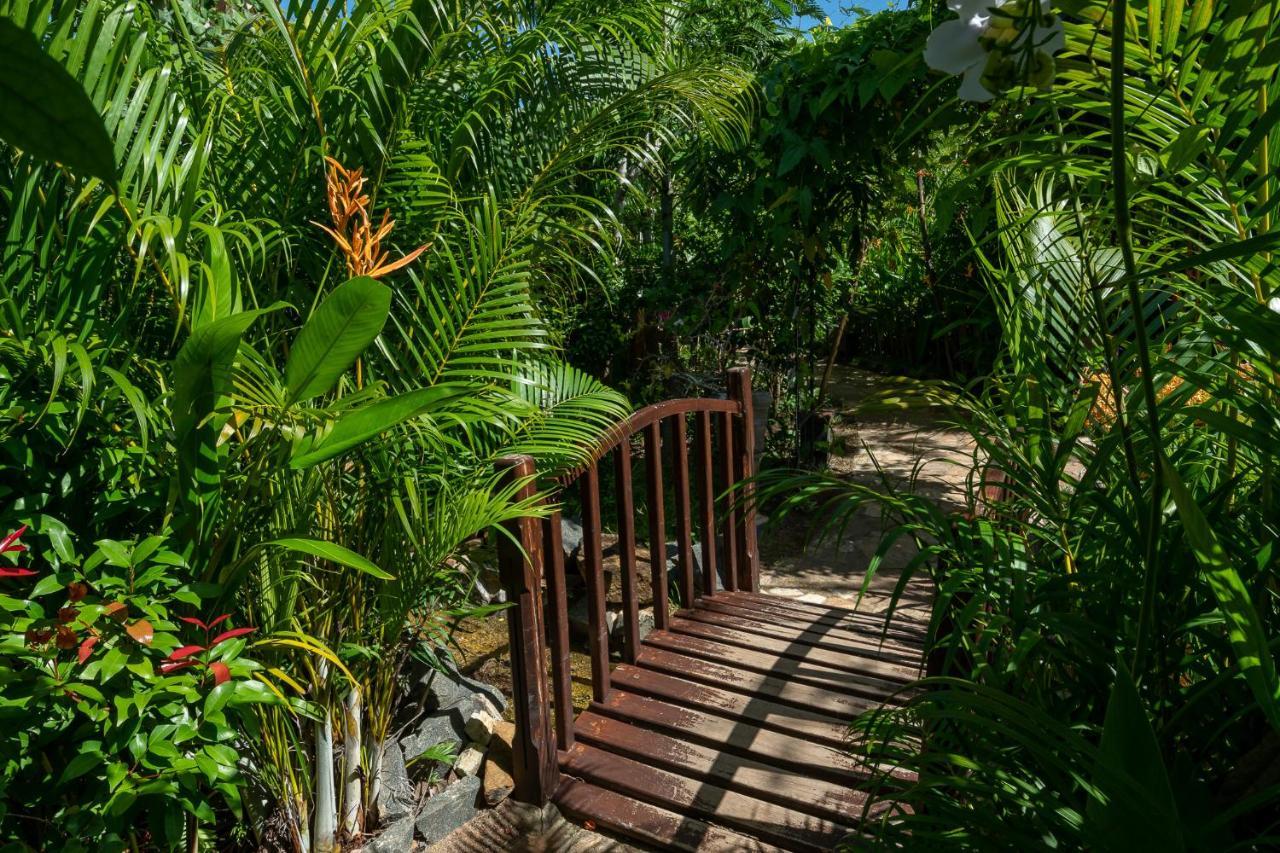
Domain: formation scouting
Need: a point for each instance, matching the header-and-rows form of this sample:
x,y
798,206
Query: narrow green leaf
x,y
1244,628
335,335
332,552
1138,810
47,113
359,425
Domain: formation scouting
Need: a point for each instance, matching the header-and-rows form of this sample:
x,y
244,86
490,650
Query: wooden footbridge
x,y
724,727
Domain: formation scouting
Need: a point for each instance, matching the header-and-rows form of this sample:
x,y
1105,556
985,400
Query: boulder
x,y
395,838
395,794
447,688
432,729
444,812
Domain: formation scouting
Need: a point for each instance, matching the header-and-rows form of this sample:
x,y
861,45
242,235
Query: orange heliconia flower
x,y
353,230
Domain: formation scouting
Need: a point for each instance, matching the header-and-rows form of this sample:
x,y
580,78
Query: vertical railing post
x,y
534,768
744,469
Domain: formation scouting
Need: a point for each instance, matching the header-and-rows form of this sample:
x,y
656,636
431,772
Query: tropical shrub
x,y
123,722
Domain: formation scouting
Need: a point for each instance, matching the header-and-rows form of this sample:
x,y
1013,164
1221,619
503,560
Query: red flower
x,y
76,590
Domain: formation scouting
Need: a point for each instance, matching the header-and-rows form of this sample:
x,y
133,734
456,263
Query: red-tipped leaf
x,y
141,631
7,572
86,648
221,672
216,622
174,666
191,620
185,652
230,635
10,543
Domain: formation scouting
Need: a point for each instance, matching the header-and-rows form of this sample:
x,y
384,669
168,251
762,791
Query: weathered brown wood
x,y
733,678
822,617
558,629
734,736
766,616
706,500
593,574
641,419
657,521
754,707
744,462
673,791
809,654
684,515
729,524
625,500
813,674
800,792
862,647
663,828
520,569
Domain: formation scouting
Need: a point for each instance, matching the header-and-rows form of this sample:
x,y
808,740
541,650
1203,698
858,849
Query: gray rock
x,y
395,838
448,810
571,538
395,795
435,728
447,688
645,620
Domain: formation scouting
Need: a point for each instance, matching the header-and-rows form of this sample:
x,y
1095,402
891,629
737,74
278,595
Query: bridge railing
x,y
718,437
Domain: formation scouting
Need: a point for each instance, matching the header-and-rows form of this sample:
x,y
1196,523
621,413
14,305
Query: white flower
x,y
1274,304
996,45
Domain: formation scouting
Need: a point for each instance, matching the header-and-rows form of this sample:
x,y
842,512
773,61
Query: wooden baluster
x,y
684,517
729,524
627,551
558,630
657,522
745,443
534,768
593,574
706,501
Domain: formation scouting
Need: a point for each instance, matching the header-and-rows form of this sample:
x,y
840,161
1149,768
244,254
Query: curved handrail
x,y
640,419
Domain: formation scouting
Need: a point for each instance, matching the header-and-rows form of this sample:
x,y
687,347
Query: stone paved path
x,y
905,445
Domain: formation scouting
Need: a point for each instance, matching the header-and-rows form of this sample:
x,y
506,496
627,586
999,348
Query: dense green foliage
x,y
260,395
280,283
1106,624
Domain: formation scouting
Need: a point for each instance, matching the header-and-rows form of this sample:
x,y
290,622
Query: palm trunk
x,y
375,783
352,780
325,830
668,227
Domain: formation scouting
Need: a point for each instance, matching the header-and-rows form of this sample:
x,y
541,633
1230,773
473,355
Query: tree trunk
x,y
352,779
325,831
668,227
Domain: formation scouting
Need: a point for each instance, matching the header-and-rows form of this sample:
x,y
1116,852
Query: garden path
x,y
903,444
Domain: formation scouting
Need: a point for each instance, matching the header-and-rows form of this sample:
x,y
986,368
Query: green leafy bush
x,y
120,717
